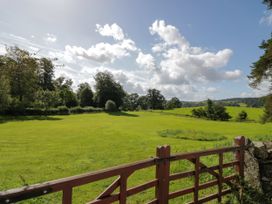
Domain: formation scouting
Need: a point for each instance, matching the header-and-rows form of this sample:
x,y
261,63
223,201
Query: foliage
x,y
243,193
46,99
212,111
143,102
155,99
130,102
268,3
267,117
5,98
110,106
86,97
261,70
242,116
173,103
108,89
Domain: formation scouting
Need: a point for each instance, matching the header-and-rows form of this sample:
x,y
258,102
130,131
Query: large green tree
x,y
261,70
86,97
46,74
155,99
108,89
21,69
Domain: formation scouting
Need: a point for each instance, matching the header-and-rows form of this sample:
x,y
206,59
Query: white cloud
x,y
230,75
267,18
168,33
184,64
3,49
105,52
113,30
146,60
212,89
50,38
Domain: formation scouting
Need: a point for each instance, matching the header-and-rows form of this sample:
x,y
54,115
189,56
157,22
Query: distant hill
x,y
249,102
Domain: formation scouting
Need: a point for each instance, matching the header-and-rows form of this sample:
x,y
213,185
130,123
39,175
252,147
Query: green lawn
x,y
43,149
253,113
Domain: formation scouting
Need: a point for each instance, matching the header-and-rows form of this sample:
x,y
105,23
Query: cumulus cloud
x,y
232,74
168,33
105,52
146,60
113,30
50,38
183,63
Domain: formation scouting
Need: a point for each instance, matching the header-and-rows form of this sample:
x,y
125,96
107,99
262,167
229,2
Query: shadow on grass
x,y
5,119
122,114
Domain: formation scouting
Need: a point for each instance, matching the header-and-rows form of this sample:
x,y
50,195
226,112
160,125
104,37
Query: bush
x,y
90,109
76,110
242,116
212,111
61,110
110,106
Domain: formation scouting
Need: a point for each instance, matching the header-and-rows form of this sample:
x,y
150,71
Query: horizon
x,y
188,50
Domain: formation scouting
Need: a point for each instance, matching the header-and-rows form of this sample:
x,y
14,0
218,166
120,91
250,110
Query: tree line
x,y
27,82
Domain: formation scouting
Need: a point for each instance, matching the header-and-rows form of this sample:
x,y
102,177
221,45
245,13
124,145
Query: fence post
x,y
162,174
240,154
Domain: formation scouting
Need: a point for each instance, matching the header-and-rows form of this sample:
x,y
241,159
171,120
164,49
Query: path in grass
x,y
34,151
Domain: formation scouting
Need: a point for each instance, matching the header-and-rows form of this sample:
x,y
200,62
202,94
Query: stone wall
x,y
258,165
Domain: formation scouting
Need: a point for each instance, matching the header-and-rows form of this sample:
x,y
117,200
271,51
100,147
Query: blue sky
x,y
189,49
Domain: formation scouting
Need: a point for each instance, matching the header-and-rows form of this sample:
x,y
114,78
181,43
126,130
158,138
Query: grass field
x,y
253,113
39,149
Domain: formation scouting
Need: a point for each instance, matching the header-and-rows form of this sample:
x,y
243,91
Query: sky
x,y
189,49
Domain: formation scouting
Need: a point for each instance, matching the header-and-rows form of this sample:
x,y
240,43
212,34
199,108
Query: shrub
x,y
212,111
242,116
243,192
61,110
76,110
110,106
34,111
90,109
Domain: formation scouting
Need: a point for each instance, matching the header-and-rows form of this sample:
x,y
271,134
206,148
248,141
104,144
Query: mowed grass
x,y
254,114
43,149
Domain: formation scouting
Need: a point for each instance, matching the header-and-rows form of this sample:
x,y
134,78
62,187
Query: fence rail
x,y
161,182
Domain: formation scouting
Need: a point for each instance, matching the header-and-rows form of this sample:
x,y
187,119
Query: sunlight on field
x,y
59,146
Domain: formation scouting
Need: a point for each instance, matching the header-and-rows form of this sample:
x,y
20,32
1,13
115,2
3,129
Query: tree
x,y
143,102
130,102
267,117
46,99
86,97
212,111
155,99
262,69
4,93
22,72
46,74
108,89
268,3
173,103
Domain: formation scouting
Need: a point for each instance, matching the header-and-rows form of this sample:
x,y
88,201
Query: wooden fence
x,y
161,182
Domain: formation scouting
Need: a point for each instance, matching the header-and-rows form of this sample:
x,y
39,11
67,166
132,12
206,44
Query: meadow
x,y
38,149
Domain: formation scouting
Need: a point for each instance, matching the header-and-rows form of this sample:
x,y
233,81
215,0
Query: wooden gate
x,y
161,181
